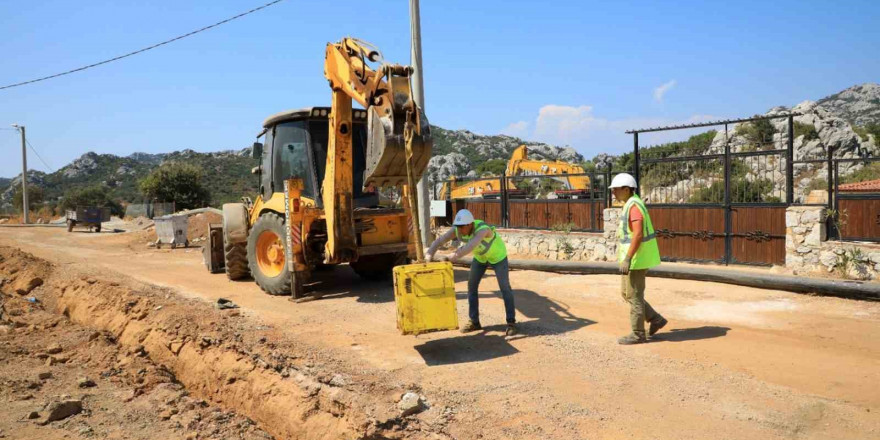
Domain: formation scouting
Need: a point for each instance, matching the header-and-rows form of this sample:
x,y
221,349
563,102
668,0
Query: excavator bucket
x,y
386,147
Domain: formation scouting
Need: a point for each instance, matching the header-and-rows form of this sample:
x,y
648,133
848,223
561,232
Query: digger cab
x,y
295,145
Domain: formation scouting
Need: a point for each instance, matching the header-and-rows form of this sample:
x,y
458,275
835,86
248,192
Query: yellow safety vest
x,y
491,250
648,254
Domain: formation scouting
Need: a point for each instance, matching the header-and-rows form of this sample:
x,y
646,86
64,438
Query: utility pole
x,y
24,198
417,86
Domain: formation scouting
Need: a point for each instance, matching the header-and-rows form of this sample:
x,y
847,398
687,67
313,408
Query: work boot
x,y
656,325
631,339
471,326
511,330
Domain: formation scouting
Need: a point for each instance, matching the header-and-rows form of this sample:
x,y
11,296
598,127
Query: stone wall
x,y
559,245
808,250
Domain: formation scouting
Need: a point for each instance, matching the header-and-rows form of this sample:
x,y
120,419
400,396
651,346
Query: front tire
x,y
378,267
267,254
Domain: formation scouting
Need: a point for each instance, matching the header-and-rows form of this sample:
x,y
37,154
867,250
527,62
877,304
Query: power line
x,y
38,156
144,49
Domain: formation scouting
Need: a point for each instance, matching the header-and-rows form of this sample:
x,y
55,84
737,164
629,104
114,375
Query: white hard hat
x,y
623,180
463,218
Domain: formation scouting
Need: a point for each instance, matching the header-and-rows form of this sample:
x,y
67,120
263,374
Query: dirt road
x,y
733,363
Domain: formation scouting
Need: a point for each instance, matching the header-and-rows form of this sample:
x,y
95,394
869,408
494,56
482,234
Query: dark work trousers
x,y
502,270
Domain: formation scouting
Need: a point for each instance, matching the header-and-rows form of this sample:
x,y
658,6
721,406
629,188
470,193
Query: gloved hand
x,y
429,258
624,266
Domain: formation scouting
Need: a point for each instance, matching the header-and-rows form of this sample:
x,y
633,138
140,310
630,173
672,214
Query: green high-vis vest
x,y
491,249
648,254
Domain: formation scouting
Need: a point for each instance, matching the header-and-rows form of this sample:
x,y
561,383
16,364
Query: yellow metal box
x,y
425,297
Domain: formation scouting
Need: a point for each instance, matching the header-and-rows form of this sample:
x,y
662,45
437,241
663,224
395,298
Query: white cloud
x,y
660,91
518,129
589,134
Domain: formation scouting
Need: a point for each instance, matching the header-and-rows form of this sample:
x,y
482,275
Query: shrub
x,y
35,198
176,182
91,196
808,131
757,132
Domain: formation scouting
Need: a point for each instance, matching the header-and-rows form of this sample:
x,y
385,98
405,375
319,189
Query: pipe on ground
x,y
844,289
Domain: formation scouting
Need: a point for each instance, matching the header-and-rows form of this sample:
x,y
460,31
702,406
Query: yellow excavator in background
x,y
320,170
520,165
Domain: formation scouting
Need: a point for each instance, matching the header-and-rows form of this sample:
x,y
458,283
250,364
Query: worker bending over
x,y
637,252
489,250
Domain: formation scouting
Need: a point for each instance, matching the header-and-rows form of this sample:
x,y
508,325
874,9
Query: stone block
x,y
793,261
828,258
799,230
813,215
874,257
804,250
814,238
792,218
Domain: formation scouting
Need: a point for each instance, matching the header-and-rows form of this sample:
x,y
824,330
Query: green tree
x,y
97,195
493,167
176,182
757,132
35,198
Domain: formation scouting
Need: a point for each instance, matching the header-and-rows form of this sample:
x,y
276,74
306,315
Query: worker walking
x,y
637,252
489,250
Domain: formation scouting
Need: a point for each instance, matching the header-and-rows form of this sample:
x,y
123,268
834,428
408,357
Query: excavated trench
x,y
291,390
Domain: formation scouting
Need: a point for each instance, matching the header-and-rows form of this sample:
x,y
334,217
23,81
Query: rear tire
x,y
70,224
98,228
235,241
272,276
378,267
235,259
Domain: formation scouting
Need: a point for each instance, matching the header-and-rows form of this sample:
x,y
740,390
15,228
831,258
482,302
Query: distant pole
x,y
24,197
417,86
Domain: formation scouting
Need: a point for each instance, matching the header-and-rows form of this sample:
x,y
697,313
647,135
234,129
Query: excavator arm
x,y
392,119
521,164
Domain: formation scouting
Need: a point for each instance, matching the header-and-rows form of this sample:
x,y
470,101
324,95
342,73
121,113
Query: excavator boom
x,y
398,136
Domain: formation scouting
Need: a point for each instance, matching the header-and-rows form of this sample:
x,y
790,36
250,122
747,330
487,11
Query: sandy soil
x,y
733,363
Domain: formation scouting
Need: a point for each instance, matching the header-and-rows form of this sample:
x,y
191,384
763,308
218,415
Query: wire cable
x,y
144,49
51,170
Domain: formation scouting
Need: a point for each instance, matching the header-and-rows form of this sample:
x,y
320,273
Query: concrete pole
x,y
417,86
24,197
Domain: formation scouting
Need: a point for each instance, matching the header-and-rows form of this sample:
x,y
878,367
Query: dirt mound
x,y
63,380
21,272
196,352
198,225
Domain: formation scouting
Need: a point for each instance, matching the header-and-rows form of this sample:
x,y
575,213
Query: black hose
x,y
862,290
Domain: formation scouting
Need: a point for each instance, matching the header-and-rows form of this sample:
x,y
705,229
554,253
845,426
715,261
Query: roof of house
x,y
866,186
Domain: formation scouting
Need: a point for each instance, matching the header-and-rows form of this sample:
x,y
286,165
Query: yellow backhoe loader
x,y
320,170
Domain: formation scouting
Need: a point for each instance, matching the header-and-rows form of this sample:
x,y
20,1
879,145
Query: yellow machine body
x,y
425,298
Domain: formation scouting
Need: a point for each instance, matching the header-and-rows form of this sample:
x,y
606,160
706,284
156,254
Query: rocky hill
x,y
228,172
846,123
858,105
460,152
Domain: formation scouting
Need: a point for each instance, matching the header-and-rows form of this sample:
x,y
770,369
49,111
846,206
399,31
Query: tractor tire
x,y
235,258
70,225
98,228
267,254
235,241
378,267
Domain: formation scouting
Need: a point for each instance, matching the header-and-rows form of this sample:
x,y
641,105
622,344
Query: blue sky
x,y
565,72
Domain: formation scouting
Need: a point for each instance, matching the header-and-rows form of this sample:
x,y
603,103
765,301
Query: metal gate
x,y
713,201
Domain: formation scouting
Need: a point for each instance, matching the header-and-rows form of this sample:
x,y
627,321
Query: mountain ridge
x,y
456,153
